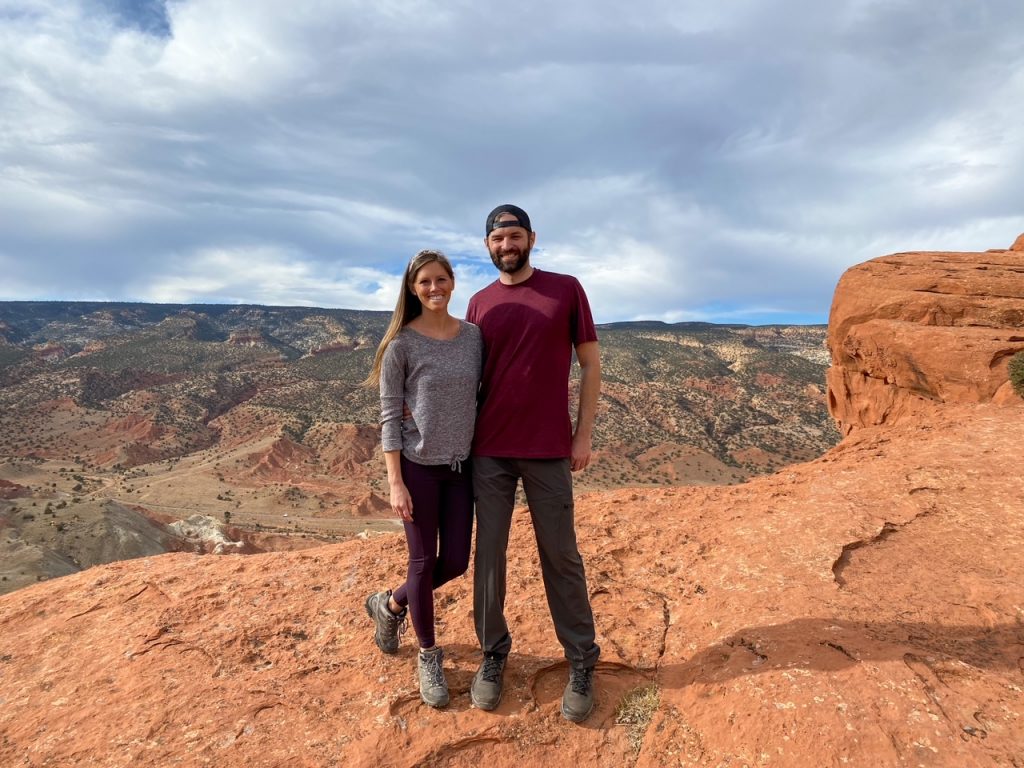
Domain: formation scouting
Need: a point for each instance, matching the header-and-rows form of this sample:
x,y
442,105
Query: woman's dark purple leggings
x,y
439,537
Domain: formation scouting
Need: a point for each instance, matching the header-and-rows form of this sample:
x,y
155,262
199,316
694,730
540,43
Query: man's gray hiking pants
x,y
548,487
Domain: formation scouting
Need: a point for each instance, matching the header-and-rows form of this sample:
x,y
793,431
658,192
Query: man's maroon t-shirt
x,y
529,330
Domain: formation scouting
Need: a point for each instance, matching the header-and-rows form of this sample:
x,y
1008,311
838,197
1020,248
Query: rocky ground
x,y
861,609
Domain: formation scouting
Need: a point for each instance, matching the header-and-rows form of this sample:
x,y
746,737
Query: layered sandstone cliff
x,y
912,331
862,609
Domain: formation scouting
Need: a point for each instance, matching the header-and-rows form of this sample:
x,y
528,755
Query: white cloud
x,y
266,275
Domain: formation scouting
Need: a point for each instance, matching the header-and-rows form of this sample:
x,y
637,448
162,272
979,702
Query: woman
x,y
430,362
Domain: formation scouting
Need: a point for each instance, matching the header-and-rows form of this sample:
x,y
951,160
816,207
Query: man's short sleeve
x,y
583,329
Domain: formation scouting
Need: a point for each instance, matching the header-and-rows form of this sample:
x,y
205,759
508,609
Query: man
x,y
531,321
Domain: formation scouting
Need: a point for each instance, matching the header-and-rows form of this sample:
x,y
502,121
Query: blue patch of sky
x,y
739,315
149,16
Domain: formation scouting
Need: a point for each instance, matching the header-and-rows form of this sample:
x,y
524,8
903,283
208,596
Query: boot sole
x,y
482,705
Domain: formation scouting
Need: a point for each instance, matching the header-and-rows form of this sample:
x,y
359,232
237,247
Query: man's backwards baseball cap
x,y
521,220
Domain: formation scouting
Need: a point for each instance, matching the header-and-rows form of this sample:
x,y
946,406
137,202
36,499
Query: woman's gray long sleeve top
x,y
438,379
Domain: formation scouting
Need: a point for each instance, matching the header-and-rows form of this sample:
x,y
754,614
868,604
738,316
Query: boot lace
x,y
394,623
493,665
580,680
430,664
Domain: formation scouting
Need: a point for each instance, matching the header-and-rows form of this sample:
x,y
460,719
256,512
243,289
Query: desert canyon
x,y
863,608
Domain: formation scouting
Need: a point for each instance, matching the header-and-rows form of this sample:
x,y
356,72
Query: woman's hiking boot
x,y
389,627
433,686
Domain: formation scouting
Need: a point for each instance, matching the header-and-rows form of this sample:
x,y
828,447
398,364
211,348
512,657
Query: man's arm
x,y
589,357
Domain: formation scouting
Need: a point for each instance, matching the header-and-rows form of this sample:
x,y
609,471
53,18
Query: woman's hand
x,y
401,502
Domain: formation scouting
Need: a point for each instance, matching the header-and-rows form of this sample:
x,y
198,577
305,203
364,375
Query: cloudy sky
x,y
687,160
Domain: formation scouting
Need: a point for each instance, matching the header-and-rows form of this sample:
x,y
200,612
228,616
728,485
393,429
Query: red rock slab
x,y
913,330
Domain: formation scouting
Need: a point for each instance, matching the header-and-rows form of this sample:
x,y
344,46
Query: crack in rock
x,y
838,647
888,529
843,560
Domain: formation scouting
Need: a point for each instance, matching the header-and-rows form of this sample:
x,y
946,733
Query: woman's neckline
x,y
458,332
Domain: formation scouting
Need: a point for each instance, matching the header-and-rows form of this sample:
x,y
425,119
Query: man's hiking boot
x,y
389,627
578,698
485,692
433,686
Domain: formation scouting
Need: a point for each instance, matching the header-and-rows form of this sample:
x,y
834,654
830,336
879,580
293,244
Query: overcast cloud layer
x,y
687,160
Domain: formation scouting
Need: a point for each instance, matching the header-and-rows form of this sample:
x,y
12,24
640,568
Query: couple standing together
x,y
489,404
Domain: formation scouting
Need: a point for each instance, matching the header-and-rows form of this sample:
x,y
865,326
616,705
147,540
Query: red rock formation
x,y
283,461
912,331
371,505
9,490
344,448
860,609
249,338
135,427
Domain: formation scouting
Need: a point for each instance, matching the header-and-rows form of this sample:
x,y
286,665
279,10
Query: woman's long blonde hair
x,y
408,307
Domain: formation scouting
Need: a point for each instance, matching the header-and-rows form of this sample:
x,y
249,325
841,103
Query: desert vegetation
x,y
255,417
1016,371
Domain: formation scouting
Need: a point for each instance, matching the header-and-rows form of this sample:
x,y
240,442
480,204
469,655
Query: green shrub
x,y
1017,373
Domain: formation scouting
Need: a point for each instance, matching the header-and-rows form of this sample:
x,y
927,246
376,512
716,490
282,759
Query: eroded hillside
x,y
254,417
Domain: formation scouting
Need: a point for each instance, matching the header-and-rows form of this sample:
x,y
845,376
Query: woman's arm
x,y
401,501
392,400
392,396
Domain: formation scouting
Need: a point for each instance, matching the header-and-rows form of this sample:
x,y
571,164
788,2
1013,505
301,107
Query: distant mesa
x,y
247,338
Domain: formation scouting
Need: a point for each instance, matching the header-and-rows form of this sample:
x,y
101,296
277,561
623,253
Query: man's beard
x,y
510,260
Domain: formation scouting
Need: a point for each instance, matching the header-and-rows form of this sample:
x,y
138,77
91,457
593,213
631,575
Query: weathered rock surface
x,y
914,330
860,609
